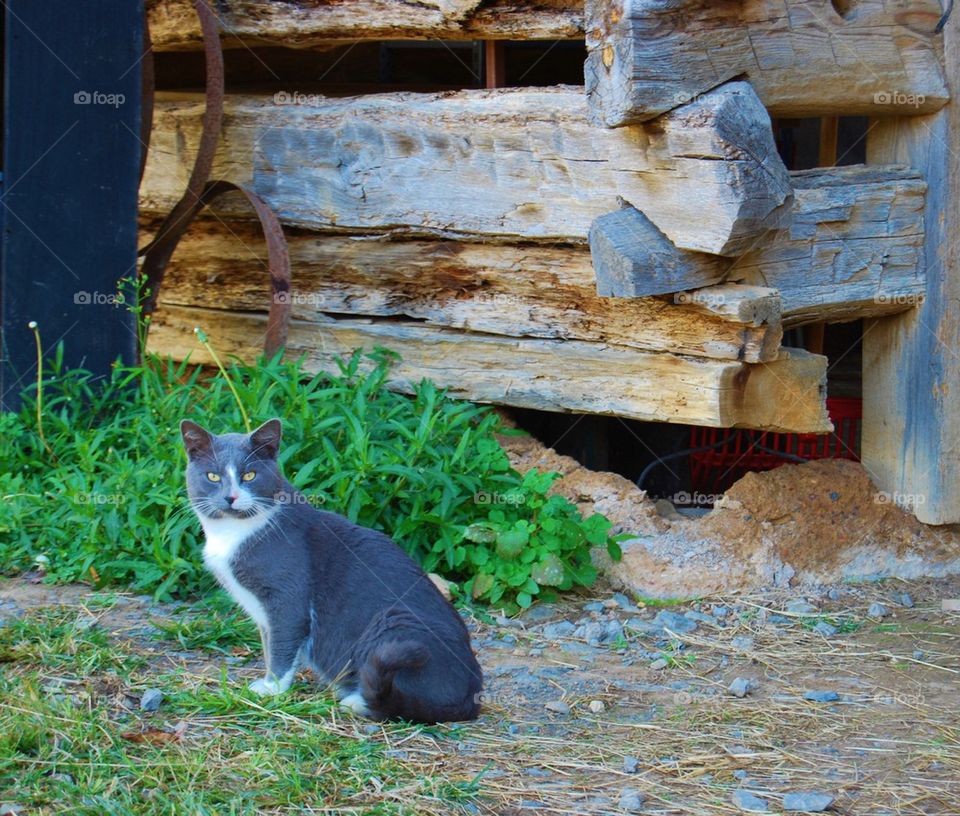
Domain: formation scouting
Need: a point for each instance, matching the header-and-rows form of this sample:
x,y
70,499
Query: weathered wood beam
x,y
549,375
515,164
803,57
518,291
851,246
632,258
308,23
911,373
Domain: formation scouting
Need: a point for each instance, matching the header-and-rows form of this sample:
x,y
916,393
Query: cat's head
x,y
233,475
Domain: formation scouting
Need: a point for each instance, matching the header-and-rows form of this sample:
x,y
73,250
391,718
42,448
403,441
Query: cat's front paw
x,y
266,687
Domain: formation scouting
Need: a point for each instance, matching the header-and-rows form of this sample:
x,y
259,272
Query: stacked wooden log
x,y
512,248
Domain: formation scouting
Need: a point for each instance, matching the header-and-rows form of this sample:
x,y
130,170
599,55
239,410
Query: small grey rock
x,y
660,663
151,699
905,600
597,706
877,610
919,654
592,633
560,629
557,707
9,810
538,613
611,632
825,629
821,696
744,643
833,594
631,764
624,602
675,622
807,801
749,803
631,800
742,686
720,611
593,606
801,607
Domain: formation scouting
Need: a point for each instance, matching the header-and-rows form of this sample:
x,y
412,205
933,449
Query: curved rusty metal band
x,y
278,259
200,193
159,251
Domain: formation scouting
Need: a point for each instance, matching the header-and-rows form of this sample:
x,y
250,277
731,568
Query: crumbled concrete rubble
x,y
815,523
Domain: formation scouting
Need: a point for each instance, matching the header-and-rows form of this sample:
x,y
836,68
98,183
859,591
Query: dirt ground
x,y
798,525
608,705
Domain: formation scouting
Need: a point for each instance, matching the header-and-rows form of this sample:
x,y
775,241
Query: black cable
x,y
686,452
946,16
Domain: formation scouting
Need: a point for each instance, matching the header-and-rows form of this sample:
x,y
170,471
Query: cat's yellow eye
x,y
213,477
249,476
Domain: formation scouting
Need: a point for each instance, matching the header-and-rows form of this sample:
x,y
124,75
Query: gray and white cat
x,y
326,593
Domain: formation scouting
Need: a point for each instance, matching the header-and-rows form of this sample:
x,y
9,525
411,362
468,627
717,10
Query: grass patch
x,y
214,625
844,625
60,637
82,746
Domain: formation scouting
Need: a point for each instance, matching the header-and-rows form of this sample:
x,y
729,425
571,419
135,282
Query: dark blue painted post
x,y
68,203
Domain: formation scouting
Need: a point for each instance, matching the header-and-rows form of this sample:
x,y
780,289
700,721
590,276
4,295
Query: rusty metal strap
x,y
158,252
278,259
200,192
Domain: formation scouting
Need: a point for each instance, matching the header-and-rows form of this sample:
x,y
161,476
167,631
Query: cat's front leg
x,y
283,650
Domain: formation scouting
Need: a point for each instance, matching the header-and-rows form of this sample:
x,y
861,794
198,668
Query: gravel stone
x,y
801,607
151,699
825,629
742,686
877,610
557,707
631,800
675,622
905,600
807,801
597,706
631,764
560,629
749,803
742,642
625,603
593,606
821,696
660,663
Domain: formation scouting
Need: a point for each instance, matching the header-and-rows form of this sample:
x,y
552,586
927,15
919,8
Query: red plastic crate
x,y
713,471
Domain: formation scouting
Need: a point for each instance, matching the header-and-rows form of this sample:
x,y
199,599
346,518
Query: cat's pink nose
x,y
232,498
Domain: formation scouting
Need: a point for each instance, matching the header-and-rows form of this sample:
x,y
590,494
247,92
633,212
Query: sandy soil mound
x,y
814,523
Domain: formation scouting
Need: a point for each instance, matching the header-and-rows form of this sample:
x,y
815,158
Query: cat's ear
x,y
266,438
196,440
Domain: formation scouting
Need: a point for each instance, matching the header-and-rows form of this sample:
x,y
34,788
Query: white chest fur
x,y
224,537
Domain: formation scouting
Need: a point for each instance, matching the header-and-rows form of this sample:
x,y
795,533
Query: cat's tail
x,y
376,674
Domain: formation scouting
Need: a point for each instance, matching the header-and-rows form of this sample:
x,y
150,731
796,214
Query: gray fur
x,y
343,599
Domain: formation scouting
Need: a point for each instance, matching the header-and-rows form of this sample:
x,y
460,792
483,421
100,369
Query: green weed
x,y
109,506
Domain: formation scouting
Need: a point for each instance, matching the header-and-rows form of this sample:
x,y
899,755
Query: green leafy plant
x,y
530,545
99,497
